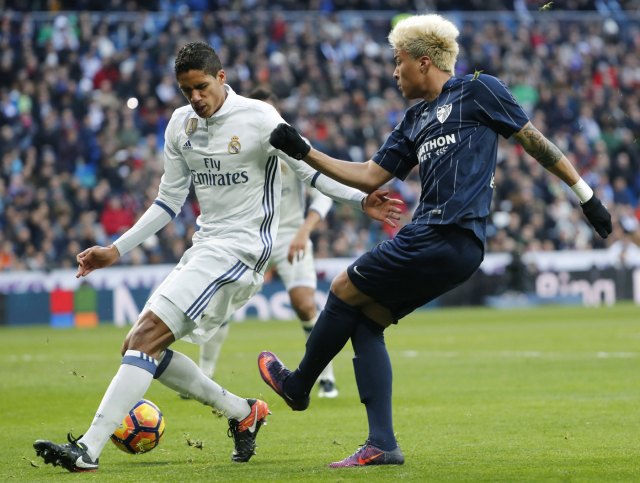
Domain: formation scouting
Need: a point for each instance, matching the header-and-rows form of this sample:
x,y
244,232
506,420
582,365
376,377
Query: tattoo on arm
x,y
538,146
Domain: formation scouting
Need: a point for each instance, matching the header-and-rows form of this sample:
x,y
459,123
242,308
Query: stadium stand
x,y
85,96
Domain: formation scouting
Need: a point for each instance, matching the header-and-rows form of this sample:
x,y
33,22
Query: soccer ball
x,y
141,429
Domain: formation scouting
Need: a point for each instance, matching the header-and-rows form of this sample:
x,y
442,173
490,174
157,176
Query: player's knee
x,y
345,290
140,333
149,335
341,285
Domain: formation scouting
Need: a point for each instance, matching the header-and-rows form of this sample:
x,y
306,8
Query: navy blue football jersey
x,y
454,139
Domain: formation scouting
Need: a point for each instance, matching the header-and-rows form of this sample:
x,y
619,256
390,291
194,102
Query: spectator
x,y
115,218
64,122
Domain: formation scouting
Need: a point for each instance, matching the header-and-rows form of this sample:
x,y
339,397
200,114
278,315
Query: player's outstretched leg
x,y
274,373
210,350
71,456
368,455
209,353
332,331
246,416
327,380
244,432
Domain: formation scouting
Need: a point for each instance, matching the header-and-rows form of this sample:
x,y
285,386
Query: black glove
x,y
286,139
598,216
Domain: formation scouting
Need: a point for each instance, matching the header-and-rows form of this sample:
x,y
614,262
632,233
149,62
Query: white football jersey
x,y
236,175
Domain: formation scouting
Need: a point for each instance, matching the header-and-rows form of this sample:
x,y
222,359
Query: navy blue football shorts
x,y
419,264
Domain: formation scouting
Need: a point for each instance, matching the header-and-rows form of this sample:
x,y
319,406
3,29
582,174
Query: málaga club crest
x,y
443,113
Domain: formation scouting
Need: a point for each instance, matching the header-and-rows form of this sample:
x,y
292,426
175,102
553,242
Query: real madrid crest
x,y
192,125
234,145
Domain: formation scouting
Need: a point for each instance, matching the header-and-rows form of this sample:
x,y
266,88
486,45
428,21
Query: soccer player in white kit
x,y
292,257
220,143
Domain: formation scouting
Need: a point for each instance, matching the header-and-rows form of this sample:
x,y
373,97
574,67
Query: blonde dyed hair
x,y
430,35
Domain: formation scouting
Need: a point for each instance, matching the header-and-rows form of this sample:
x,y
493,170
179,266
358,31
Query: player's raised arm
x,y
552,159
367,176
341,176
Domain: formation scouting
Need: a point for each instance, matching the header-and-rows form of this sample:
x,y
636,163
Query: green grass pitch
x,y
547,394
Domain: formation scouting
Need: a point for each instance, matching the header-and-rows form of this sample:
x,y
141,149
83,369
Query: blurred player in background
x,y
452,134
292,257
220,143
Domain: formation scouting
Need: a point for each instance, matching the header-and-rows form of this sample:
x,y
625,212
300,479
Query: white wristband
x,y
582,190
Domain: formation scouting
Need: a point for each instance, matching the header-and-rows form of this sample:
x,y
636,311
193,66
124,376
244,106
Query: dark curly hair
x,y
197,56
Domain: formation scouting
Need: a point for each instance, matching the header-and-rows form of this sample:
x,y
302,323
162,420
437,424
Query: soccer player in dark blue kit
x,y
452,134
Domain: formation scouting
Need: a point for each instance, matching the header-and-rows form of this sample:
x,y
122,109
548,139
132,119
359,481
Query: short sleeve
x,y
397,154
497,108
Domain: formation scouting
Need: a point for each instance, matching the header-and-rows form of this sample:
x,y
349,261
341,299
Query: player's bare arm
x,y
367,176
552,159
94,258
547,154
364,176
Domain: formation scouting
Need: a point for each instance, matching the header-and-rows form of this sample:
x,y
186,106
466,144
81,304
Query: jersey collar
x,y
450,83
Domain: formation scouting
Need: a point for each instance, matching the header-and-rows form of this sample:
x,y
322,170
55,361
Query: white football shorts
x,y
300,273
202,292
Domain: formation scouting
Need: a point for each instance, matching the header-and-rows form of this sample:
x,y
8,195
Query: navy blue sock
x,y
330,334
373,376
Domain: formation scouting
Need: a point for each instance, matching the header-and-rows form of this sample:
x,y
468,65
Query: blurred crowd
x,y
326,6
85,98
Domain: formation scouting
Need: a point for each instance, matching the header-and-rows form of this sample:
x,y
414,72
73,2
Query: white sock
x,y
327,372
127,387
183,376
210,350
